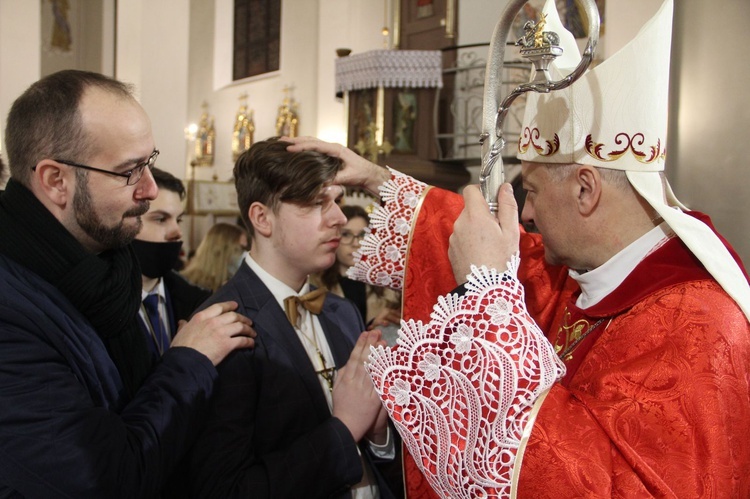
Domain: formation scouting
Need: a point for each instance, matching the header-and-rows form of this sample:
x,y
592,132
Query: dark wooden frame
x,y
257,37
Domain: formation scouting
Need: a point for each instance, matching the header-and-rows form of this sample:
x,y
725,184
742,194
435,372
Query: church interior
x,y
214,75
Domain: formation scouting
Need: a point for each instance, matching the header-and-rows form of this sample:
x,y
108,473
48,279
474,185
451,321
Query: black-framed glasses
x,y
133,175
349,237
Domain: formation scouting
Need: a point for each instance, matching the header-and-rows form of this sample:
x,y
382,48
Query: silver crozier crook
x,y
541,48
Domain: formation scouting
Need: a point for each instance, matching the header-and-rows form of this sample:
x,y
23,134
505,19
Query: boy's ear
x,y
261,217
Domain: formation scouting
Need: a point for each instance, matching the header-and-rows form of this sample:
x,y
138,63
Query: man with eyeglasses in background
x,y
379,306
85,413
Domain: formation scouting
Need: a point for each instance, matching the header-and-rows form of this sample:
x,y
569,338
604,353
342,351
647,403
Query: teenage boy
x,y
288,418
167,298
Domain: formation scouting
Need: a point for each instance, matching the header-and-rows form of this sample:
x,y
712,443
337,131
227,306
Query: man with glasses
x,y
132,176
85,413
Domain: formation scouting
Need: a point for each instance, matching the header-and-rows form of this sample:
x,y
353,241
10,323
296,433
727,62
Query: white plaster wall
x,y
352,24
311,30
710,114
152,53
298,68
209,77
20,44
87,24
627,17
477,20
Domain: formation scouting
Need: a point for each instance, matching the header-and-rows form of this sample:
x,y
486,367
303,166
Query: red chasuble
x,y
656,400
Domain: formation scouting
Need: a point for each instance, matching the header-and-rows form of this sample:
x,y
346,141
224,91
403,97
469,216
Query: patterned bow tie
x,y
312,301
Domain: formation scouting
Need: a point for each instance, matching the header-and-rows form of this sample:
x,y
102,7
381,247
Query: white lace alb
x,y
461,388
381,257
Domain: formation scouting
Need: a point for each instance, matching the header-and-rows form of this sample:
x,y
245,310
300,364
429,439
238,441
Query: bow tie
x,y
312,301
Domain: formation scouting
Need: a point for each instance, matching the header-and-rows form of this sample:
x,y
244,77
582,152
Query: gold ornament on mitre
x,y
615,117
244,128
205,139
287,121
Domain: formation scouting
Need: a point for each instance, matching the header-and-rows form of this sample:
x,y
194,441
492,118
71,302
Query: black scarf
x,y
105,288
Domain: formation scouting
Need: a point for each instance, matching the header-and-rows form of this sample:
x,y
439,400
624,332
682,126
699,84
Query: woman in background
x,y
380,307
218,256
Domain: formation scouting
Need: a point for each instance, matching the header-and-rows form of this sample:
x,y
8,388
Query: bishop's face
x,y
550,206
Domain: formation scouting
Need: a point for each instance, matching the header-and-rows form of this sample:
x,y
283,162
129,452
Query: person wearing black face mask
x,y
167,298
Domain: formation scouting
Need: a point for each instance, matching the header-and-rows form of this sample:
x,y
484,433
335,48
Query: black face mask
x,y
157,259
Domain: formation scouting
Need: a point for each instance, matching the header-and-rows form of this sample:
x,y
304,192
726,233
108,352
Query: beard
x,y
88,219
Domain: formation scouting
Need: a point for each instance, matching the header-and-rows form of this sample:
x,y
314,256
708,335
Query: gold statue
x,y
62,37
287,121
244,128
539,32
535,37
205,139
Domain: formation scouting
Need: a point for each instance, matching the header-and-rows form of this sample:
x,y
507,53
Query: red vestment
x,y
656,401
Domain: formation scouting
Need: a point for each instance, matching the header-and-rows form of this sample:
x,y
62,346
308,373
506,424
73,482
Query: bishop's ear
x,y
589,184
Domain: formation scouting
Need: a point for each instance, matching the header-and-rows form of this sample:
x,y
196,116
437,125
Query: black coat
x,y
66,429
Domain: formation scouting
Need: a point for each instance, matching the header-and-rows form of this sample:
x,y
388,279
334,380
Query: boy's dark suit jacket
x,y
184,297
270,433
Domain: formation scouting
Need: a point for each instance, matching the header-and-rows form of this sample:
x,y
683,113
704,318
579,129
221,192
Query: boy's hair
x,y
269,174
167,181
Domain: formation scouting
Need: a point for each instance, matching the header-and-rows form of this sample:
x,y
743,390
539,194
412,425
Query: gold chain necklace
x,y
567,354
327,373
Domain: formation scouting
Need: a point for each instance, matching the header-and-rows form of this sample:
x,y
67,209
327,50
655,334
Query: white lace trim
x,y
389,68
461,388
382,253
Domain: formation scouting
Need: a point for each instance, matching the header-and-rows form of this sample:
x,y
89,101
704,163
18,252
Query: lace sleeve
x,y
461,389
380,259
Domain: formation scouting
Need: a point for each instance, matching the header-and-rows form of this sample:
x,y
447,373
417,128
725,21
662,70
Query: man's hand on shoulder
x,y
216,331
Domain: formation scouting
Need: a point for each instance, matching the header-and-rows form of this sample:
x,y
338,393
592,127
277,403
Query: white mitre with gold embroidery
x,y
615,116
